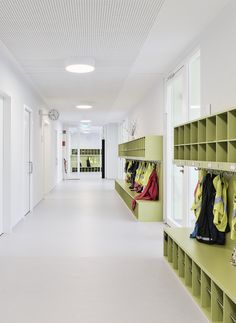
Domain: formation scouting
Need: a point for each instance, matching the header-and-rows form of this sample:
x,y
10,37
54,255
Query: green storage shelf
x,y
205,271
194,132
211,152
212,139
202,130
222,151
145,211
211,129
221,126
145,148
231,125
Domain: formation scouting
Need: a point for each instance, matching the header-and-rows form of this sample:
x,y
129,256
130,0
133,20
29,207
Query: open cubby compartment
x,y
188,271
170,249
187,152
217,304
165,244
211,128
229,310
181,152
175,255
196,280
181,262
202,152
194,152
176,136
211,152
231,124
176,152
232,151
202,130
222,151
206,292
222,126
187,133
181,135
194,132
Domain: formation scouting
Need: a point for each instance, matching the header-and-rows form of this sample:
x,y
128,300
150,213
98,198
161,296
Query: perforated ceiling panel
x,y
43,34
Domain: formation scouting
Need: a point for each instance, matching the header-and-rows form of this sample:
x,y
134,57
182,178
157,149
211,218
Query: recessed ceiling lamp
x,y
84,106
80,65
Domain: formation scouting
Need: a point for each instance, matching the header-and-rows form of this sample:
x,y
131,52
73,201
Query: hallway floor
x,y
81,257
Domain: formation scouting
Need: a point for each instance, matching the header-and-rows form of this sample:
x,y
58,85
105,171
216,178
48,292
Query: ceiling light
x,y
80,65
84,106
85,121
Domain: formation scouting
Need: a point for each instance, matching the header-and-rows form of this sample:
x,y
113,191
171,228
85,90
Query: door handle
x,y
31,167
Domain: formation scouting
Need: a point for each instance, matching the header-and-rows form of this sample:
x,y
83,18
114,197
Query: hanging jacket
x,y
220,204
147,174
207,231
151,191
196,207
233,229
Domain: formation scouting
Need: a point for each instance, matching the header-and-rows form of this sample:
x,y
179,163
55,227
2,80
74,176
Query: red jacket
x,y
151,191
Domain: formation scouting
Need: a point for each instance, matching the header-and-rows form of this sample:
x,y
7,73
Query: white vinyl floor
x,y
81,257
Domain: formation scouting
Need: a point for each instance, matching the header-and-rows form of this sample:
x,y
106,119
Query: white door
x,y
1,165
27,162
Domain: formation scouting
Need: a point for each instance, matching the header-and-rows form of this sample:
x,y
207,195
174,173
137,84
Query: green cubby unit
x,y
181,262
232,125
175,256
181,135
222,151
211,152
229,315
187,133
222,126
206,293
202,130
181,152
187,150
176,152
207,274
211,129
188,271
170,250
217,303
194,132
196,280
176,136
194,152
146,148
202,152
232,151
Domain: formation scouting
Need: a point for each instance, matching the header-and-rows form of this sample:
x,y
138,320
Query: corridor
x,y
81,257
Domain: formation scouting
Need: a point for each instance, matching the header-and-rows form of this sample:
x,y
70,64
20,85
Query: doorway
x,y
28,164
1,165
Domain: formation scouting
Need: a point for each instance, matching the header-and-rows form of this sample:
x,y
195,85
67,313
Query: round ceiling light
x,y
85,121
84,106
80,65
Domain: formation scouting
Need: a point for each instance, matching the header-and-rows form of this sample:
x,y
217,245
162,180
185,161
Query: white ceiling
x,y
132,41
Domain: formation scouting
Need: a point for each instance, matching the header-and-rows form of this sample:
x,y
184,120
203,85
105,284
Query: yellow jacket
x,y
220,206
147,174
197,204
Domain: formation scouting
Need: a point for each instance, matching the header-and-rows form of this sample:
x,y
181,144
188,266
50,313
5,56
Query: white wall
x,y
90,140
218,67
15,85
149,113
110,134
